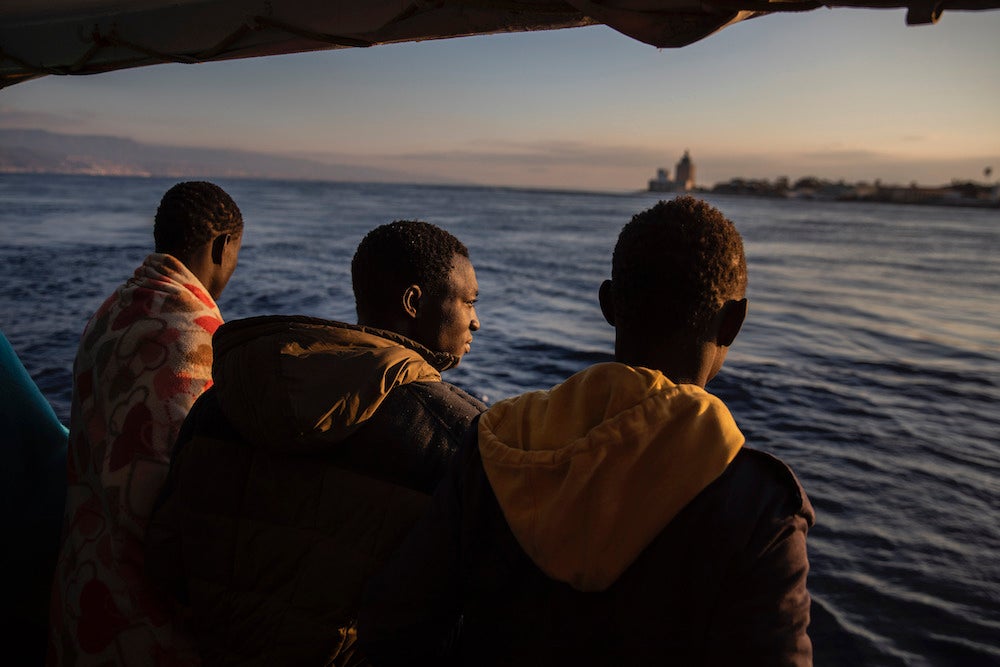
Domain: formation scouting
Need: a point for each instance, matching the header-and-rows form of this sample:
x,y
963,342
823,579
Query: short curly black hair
x,y
399,254
192,214
674,266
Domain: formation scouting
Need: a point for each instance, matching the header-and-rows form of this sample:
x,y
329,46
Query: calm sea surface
x,y
870,361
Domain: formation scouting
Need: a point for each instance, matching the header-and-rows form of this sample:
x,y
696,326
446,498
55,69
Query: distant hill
x,y
41,151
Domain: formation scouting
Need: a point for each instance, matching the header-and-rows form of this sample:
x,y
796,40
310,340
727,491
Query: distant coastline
x,y
44,152
958,193
41,152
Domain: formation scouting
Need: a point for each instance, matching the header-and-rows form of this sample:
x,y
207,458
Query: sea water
x,y
870,360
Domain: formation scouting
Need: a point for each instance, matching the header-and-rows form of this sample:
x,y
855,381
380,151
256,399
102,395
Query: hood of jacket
x,y
589,472
302,384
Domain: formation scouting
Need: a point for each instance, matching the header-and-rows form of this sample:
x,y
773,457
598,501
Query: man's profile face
x,y
447,320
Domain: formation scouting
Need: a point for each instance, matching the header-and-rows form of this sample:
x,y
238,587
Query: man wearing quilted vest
x,y
314,454
617,518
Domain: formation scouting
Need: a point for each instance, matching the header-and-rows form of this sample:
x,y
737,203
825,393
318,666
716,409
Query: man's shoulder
x,y
418,413
412,436
743,512
769,479
441,398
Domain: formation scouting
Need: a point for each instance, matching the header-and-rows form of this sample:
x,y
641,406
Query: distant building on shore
x,y
682,182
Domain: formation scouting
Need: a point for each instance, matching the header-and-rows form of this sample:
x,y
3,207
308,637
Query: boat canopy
x,y
40,37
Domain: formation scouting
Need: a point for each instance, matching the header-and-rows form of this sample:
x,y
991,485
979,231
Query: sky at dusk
x,y
844,93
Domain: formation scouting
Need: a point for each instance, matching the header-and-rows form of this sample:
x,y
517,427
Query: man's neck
x,y
683,362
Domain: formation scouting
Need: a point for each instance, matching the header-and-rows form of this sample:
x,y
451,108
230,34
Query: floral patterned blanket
x,y
144,357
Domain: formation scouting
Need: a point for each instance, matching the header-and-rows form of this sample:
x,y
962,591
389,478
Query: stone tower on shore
x,y
685,173
683,180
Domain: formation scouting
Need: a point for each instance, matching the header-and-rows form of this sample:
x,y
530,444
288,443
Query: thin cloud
x,y
17,119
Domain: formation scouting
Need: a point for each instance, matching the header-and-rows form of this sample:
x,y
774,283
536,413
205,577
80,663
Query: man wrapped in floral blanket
x,y
144,357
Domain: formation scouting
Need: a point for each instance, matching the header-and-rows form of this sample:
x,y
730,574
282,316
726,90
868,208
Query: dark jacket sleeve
x,y
162,543
763,615
410,614
164,563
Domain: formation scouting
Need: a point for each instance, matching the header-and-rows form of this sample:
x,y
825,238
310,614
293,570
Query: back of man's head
x,y
394,256
191,214
674,266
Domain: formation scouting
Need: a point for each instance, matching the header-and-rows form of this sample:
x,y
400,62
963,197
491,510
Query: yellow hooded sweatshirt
x,y
590,471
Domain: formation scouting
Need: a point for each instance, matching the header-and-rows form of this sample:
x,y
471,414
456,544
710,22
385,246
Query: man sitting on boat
x,y
616,519
144,358
314,454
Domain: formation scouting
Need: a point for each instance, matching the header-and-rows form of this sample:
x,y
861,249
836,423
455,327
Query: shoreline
x,y
963,202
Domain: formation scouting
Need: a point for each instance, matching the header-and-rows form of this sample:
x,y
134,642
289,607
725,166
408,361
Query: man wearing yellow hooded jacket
x,y
314,454
616,519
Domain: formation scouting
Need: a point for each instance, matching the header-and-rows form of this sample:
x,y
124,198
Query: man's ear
x,y
219,244
732,316
606,297
411,300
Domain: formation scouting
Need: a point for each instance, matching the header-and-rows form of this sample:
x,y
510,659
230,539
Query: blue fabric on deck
x,y
32,495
